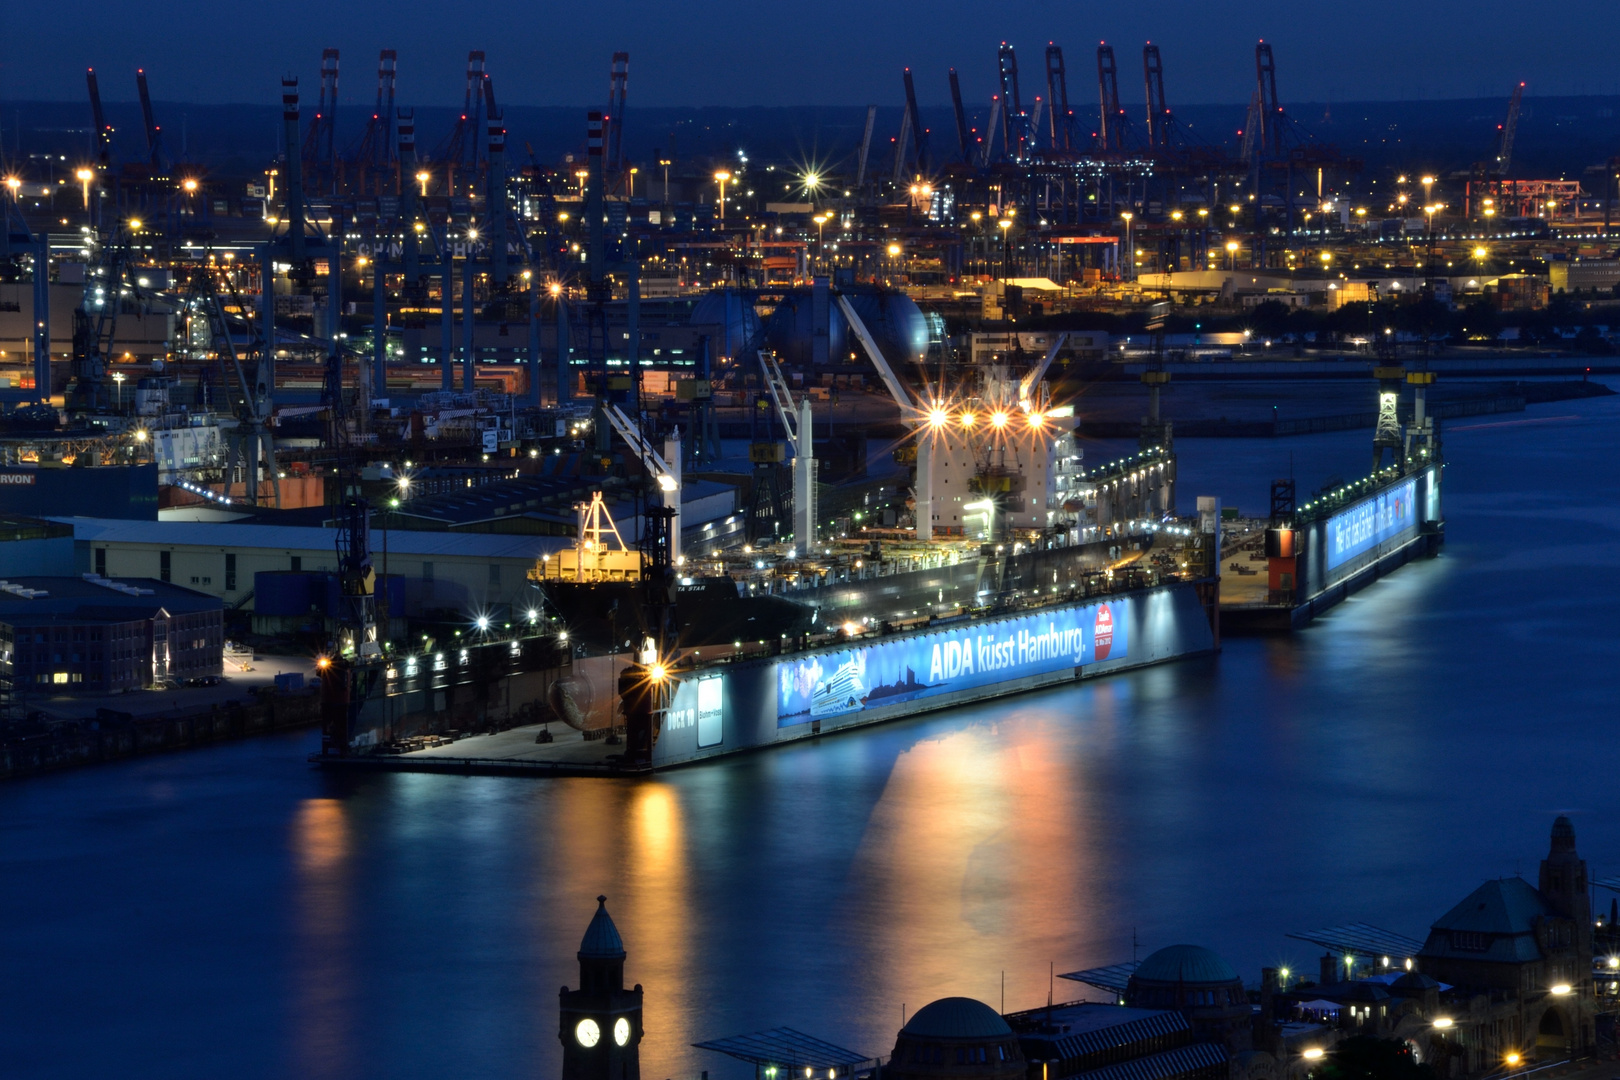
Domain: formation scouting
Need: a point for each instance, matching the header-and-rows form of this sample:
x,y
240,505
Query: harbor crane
x,y
796,423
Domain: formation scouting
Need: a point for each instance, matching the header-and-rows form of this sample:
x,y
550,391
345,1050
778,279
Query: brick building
x,y
94,635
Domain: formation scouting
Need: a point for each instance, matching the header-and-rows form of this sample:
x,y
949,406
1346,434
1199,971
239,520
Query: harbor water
x,y
230,911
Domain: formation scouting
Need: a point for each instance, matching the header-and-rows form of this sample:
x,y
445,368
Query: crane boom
x,y
891,381
1027,385
104,131
154,134
866,145
781,396
990,131
1158,113
963,137
1111,123
1271,113
919,134
650,458
1057,95
1504,154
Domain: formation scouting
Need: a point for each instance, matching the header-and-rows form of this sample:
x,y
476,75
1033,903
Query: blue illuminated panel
x,y
1368,524
976,654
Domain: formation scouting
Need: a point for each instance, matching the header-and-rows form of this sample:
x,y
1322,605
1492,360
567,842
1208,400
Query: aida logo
x,y
1102,637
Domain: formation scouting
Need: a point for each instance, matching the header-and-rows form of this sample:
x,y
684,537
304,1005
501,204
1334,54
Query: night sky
x,y
835,52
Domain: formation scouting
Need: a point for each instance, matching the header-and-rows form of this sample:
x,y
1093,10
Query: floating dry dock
x,y
726,707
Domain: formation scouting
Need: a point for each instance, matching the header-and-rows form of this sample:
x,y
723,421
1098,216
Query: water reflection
x,y
1373,768
324,986
973,853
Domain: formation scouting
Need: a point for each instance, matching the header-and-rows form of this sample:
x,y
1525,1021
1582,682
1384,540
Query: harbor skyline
x,y
420,925
737,55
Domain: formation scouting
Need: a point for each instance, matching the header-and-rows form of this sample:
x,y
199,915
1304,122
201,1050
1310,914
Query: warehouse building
x,y
94,634
448,570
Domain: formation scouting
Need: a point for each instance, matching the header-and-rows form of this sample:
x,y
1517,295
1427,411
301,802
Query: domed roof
x,y
956,1018
1414,980
1185,964
602,939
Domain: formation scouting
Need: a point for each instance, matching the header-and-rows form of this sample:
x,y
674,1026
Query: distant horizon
x,y
306,102
726,53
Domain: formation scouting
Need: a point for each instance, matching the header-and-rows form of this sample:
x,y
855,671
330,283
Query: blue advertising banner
x,y
1368,524
974,654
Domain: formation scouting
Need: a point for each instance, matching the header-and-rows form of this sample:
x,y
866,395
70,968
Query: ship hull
x,y
712,611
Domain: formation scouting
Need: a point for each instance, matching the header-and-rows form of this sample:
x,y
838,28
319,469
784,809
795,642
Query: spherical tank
x,y
733,312
901,329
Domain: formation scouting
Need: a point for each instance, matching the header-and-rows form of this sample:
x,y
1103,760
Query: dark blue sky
x,y
836,52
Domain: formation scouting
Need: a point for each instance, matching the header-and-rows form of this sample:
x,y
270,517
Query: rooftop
x,y
93,598
1185,964
298,538
602,937
956,1018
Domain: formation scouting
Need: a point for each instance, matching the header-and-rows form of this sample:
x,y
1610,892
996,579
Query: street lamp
x,y
422,177
1130,245
633,171
118,383
720,178
821,245
581,175
1005,225
85,176
1231,254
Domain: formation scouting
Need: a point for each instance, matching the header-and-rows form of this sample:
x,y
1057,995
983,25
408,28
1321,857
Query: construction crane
x,y
321,139
251,447
1158,112
1057,96
495,209
964,136
866,146
796,424
95,322
1110,117
664,468
294,201
1251,131
891,381
1510,126
919,134
1032,380
1012,100
374,158
1485,189
156,156
997,112
1271,111
102,137
613,120
459,151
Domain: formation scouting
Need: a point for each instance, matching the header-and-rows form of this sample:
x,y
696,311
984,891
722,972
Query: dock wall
x,y
733,707
1348,550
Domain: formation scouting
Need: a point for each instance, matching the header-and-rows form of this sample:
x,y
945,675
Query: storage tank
x,y
733,312
902,330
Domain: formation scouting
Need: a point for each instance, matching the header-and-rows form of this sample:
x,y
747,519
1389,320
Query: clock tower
x,y
600,1023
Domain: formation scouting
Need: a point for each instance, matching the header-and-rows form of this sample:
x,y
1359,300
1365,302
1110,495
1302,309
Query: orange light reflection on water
x,y
324,1031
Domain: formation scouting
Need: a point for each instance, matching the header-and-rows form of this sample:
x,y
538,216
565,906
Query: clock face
x,y
587,1033
621,1031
